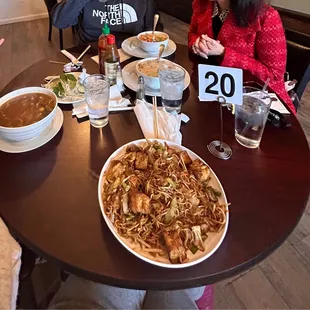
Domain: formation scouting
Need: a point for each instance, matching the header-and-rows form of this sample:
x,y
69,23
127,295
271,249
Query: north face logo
x,y
113,15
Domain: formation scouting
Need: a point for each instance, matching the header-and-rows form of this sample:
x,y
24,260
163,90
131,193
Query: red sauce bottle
x,y
111,60
102,45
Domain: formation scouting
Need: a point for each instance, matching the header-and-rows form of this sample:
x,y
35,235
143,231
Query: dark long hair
x,y
246,11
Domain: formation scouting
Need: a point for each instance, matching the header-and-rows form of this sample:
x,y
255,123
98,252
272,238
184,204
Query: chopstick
x,y
154,101
57,62
72,58
86,49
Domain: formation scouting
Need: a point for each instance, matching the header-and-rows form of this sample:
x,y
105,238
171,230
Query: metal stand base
x,y
223,152
219,148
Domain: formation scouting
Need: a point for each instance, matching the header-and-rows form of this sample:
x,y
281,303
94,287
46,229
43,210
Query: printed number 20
x,y
225,76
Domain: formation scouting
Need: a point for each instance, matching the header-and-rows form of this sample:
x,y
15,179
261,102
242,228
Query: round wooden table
x,y
49,195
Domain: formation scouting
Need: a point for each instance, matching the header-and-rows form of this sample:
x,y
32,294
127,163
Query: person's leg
x,y
78,293
168,300
195,293
181,299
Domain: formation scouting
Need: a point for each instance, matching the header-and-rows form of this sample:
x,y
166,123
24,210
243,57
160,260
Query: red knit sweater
x,y
259,48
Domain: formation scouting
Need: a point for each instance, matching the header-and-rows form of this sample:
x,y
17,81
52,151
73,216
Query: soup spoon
x,y
160,52
156,18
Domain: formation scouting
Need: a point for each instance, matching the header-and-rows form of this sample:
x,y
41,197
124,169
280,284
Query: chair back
x,y
50,4
304,82
298,54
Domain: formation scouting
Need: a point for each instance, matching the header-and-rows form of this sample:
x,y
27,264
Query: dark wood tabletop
x,y
49,195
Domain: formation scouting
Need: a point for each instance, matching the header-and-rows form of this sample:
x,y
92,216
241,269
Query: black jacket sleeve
x,y
66,13
151,10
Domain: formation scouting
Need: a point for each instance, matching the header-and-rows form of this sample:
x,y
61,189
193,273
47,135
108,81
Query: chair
x,y
26,297
49,5
303,83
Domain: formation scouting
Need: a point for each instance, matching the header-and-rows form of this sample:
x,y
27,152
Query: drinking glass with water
x,y
171,87
97,93
251,117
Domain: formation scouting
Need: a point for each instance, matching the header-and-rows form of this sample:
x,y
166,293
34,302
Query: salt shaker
x,y
141,89
119,79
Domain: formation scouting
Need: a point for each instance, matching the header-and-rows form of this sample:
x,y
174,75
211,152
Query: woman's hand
x,y
213,47
199,48
204,46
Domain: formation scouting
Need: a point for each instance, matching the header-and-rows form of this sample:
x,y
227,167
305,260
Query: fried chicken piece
x,y
175,247
186,159
118,170
131,157
134,182
133,148
140,203
141,161
169,149
199,170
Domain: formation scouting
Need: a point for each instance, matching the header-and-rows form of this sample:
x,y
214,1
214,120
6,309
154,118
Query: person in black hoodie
x,y
122,16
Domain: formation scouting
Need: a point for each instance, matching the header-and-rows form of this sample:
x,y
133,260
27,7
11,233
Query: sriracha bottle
x,y
102,44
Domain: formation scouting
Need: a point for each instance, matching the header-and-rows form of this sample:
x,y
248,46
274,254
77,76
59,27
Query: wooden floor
x,y
282,281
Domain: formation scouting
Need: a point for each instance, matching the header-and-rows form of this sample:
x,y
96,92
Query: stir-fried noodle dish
x,y
161,200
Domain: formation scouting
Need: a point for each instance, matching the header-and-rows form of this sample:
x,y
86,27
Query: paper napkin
x,y
122,56
276,104
168,123
116,103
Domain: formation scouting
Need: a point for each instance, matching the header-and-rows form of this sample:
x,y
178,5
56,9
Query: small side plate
x,y
130,79
130,46
65,100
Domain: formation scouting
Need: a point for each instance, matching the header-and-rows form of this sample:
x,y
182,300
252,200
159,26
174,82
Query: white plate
x,y
65,100
211,244
34,143
130,79
131,47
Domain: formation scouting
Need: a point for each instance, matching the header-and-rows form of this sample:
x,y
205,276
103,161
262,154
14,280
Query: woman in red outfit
x,y
246,34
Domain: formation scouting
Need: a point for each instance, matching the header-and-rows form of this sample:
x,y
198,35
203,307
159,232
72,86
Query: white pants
x,y
78,293
10,262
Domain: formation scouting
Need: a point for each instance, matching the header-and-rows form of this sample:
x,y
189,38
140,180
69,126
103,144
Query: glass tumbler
x,y
251,117
97,93
171,87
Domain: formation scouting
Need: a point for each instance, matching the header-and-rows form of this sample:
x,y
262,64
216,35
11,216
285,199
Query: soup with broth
x,y
25,109
147,37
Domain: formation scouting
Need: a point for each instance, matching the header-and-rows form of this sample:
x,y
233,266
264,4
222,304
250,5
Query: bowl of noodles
x,y
163,203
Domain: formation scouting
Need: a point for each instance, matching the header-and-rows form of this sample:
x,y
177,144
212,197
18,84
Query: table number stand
x,y
219,148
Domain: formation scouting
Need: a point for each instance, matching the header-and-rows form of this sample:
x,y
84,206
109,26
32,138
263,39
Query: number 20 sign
x,y
217,81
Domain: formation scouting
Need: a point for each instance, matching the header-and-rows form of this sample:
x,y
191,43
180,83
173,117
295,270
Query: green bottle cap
x,y
106,29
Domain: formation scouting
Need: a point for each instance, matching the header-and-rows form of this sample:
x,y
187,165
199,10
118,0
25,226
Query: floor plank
x,y
5,55
26,43
302,230
252,291
21,51
225,299
289,273
303,248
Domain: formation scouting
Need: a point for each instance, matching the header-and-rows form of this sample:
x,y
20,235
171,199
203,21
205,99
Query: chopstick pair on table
x,y
155,118
71,57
